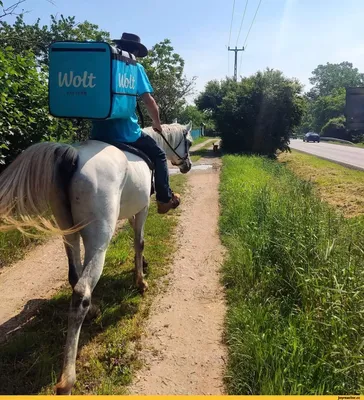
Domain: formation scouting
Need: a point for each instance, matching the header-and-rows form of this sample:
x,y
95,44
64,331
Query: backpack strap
x,y
140,115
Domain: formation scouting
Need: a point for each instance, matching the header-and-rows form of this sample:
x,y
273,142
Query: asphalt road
x,y
347,155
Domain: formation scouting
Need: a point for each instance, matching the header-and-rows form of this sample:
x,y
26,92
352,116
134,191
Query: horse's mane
x,y
172,132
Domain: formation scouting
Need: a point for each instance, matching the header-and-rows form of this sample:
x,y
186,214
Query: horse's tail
x,y
27,185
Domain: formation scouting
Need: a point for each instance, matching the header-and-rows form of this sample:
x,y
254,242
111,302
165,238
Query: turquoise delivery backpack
x,y
91,80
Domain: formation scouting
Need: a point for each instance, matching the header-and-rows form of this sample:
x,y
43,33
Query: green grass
x,y
344,144
295,285
31,361
339,186
203,152
202,139
13,246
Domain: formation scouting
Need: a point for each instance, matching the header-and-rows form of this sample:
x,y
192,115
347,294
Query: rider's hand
x,y
157,126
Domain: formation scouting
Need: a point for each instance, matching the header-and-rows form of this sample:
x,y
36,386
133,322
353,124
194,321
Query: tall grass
x,y
295,284
13,245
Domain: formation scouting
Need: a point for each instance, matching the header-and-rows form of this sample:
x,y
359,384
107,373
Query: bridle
x,y
182,159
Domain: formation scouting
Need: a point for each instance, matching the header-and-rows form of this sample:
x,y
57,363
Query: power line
x,y
231,23
256,12
242,21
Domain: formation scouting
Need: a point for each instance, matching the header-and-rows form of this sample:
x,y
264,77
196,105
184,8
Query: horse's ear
x,y
189,126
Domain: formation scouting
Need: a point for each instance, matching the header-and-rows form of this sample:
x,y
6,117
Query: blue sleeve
x,y
143,84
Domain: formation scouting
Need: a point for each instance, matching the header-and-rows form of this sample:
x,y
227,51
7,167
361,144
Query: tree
x,y
320,110
25,38
192,113
9,10
327,107
165,68
335,128
211,98
256,115
326,100
23,106
327,78
36,38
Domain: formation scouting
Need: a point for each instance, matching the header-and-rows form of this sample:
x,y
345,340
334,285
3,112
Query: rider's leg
x,y
165,197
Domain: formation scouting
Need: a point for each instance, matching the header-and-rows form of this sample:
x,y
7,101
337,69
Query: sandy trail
x,y
182,349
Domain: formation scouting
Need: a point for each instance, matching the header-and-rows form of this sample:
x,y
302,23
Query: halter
x,y
183,159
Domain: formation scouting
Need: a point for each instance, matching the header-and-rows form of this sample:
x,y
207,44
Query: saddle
x,y
130,149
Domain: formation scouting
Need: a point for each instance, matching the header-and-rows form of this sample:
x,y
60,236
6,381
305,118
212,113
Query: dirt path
x,y
203,144
182,350
27,284
24,285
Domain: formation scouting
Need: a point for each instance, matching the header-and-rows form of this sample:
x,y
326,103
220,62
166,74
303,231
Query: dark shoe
x,y
163,208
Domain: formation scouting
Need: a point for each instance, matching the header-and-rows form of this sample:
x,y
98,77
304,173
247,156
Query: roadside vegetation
x,y
204,151
294,280
31,360
201,139
14,245
339,186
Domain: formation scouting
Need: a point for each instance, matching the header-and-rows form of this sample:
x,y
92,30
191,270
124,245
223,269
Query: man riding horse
x,y
88,188
128,130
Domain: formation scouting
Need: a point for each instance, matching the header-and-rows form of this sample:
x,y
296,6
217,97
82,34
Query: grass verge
x,y
295,285
13,246
31,360
201,139
339,186
205,151
361,145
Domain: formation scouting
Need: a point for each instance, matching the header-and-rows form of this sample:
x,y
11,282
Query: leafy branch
x,y
11,9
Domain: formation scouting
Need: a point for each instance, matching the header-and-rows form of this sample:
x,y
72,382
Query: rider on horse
x,y
128,130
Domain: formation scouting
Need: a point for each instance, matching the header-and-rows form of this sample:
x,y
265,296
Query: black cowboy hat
x,y
130,42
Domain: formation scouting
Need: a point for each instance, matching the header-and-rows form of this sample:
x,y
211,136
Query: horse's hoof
x,y
143,286
93,312
145,266
64,385
62,391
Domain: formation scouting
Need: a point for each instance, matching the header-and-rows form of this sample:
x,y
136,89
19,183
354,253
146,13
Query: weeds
x,y
295,285
339,186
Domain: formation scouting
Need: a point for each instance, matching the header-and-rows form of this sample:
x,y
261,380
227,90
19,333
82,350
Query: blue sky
x,y
291,35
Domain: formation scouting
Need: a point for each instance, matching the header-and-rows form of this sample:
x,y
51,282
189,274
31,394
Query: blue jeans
x,y
149,146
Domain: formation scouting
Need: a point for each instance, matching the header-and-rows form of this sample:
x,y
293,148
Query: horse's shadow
x,y
31,359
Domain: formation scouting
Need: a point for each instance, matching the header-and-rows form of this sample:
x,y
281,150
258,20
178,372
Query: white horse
x,y
90,186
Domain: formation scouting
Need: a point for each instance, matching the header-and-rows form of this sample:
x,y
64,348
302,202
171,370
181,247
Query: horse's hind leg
x,y
140,263
96,237
62,212
144,261
73,250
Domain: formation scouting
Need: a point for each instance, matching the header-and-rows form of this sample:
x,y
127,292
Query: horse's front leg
x,y
140,263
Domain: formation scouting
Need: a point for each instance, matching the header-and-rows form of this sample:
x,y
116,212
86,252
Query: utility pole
x,y
236,61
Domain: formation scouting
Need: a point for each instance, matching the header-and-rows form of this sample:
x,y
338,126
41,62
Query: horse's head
x,y
180,157
176,141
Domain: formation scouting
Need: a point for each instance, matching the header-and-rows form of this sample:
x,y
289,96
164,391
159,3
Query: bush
x,y
335,128
24,106
257,114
